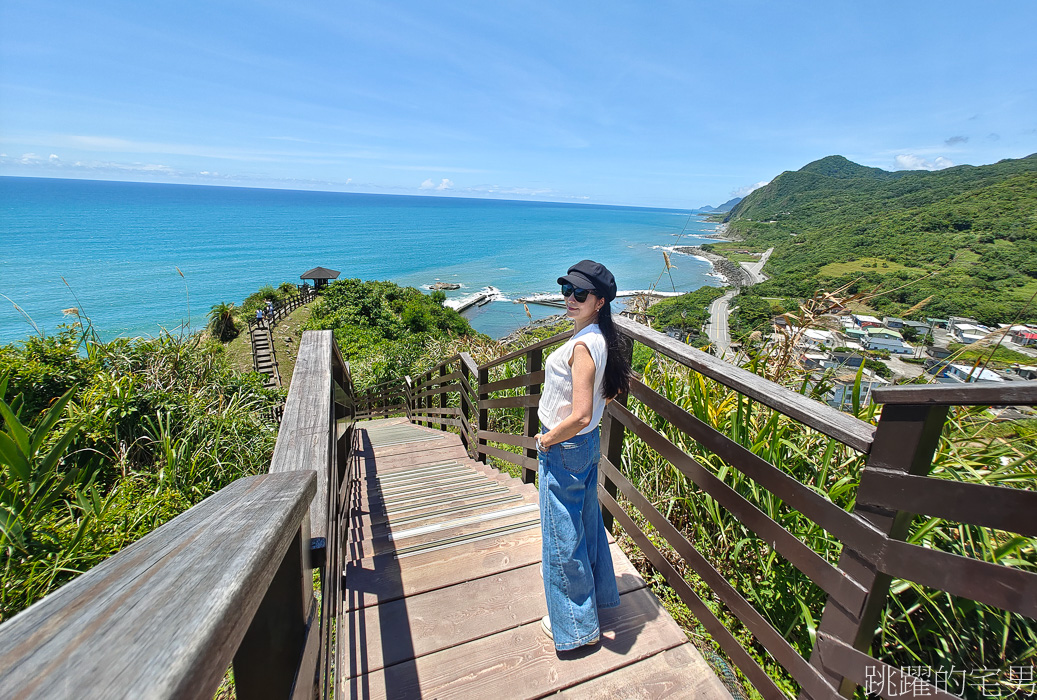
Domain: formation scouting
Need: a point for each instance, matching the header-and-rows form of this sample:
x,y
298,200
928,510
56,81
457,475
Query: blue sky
x,y
674,104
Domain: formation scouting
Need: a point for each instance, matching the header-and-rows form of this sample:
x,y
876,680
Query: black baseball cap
x,y
591,275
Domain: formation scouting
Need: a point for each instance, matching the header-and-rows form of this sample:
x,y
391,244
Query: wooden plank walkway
x,y
443,595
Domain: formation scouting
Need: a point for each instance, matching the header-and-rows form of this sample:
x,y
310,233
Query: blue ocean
x,y
141,257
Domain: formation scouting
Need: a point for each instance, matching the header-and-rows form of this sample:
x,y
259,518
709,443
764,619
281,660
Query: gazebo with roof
x,y
320,276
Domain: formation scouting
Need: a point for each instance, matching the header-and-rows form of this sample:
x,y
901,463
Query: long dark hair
x,y
617,366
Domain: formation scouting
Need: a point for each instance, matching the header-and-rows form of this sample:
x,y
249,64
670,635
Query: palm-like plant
x,y
221,322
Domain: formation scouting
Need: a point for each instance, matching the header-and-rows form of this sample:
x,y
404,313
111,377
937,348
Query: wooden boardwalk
x,y
264,361
443,595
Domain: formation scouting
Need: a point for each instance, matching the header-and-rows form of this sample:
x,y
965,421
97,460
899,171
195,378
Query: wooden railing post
x,y
534,363
905,440
484,414
612,432
408,396
469,372
442,396
430,399
266,662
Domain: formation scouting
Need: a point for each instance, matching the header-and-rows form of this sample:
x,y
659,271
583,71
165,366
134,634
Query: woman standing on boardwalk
x,y
581,376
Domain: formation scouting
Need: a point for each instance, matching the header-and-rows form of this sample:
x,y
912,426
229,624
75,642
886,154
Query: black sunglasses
x,y
580,294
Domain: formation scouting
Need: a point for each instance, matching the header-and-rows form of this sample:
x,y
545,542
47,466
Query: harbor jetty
x,y
483,296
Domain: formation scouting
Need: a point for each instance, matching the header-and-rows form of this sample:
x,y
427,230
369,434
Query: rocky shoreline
x,y
723,233
733,273
519,333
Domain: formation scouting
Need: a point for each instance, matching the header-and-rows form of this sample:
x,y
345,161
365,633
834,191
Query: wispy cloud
x,y
444,184
743,191
955,140
908,161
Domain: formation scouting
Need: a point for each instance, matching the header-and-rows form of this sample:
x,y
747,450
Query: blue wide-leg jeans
x,y
578,573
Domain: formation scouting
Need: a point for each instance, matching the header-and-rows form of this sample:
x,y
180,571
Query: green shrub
x,y
115,439
382,328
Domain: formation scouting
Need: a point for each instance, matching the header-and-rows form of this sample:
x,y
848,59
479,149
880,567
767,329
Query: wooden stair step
x,y
371,522
679,673
422,531
433,488
423,624
522,662
419,510
436,540
379,579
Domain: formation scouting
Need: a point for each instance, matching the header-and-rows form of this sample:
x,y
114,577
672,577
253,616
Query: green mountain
x,y
965,236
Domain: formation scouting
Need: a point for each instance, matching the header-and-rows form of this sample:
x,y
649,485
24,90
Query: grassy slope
x,y
239,351
973,229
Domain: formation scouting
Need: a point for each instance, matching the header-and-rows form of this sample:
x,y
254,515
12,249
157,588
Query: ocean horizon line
x,y
429,195
122,247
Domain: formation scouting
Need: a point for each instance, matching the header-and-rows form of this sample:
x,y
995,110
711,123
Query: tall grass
x,y
123,436
920,627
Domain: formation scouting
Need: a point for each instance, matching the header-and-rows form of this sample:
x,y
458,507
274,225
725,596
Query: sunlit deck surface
x,y
443,595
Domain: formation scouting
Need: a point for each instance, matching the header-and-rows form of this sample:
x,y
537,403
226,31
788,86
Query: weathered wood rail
x,y
228,581
894,486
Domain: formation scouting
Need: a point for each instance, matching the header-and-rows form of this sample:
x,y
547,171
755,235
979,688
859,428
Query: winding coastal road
x,y
718,310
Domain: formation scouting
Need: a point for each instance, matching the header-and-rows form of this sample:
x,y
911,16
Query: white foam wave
x,y
491,293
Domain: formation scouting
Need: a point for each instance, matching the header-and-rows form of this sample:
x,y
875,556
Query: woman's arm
x,y
583,399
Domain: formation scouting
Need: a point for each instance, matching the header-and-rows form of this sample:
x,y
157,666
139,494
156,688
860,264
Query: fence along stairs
x,y
443,595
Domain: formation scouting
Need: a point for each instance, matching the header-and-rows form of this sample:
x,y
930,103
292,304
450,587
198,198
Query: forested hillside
x,y
965,236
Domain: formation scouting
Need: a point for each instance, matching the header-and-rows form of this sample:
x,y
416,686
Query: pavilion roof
x,y
320,273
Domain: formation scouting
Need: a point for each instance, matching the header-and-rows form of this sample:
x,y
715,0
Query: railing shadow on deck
x,y
228,581
384,571
894,486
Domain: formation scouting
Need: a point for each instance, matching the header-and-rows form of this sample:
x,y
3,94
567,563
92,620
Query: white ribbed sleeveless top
x,y
556,403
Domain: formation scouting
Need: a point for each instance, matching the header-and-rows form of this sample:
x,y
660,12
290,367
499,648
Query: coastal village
x,y
883,351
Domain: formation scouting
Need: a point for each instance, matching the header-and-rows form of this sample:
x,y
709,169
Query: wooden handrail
x,y
540,344
999,394
893,486
164,617
229,579
820,416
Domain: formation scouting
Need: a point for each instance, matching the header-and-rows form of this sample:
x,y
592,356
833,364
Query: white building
x,y
841,394
814,338
966,373
969,332
888,340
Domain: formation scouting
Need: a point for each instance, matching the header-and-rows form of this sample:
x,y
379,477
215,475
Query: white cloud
x,y
908,161
54,158
743,191
444,184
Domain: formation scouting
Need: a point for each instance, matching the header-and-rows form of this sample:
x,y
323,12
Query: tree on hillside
x,y
221,322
